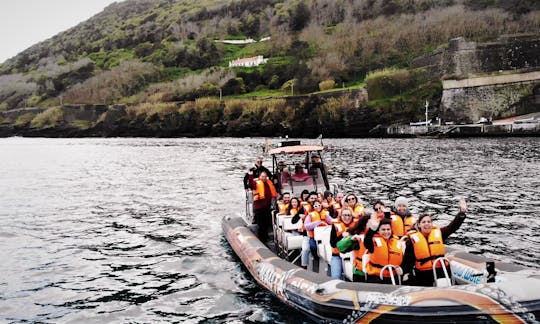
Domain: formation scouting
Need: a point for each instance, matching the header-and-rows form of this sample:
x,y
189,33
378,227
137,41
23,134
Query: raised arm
x,y
456,222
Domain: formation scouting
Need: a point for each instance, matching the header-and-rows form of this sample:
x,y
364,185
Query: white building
x,y
248,61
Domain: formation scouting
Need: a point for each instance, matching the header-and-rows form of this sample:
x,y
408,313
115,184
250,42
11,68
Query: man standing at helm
x,y
264,193
256,170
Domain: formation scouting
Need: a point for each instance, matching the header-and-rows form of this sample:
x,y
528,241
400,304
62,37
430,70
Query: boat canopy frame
x,y
305,175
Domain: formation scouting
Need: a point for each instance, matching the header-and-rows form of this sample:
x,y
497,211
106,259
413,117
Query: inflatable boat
x,y
478,289
514,297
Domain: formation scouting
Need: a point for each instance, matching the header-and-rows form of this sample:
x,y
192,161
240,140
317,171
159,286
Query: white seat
x,y
347,260
289,239
322,238
365,261
278,228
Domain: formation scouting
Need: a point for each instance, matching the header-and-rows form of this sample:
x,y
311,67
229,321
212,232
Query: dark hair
x,y
385,221
304,192
327,193
285,193
378,202
421,217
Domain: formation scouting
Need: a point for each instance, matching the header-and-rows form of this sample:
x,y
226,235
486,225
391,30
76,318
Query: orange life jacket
x,y
293,211
315,216
358,209
340,229
397,225
427,250
384,252
337,208
359,253
259,192
409,222
283,207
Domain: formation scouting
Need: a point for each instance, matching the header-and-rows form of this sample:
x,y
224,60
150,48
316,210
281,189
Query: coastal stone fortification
x,y
491,97
495,79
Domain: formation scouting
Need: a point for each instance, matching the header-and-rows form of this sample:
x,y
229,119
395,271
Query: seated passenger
x,y
379,210
425,244
312,220
281,177
352,202
383,212
305,209
355,242
402,219
294,206
339,231
336,207
384,249
328,203
300,175
304,196
283,204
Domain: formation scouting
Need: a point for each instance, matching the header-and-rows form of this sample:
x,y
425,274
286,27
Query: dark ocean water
x,y
129,230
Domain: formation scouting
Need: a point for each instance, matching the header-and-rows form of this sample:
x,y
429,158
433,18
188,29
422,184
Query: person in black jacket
x,y
425,244
256,171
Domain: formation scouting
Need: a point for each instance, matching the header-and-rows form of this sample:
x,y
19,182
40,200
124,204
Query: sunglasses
x,y
351,198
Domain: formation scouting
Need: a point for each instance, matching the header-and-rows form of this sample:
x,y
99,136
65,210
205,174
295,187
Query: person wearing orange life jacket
x,y
425,244
355,242
305,208
316,218
264,194
336,207
294,206
384,249
352,202
256,172
382,212
339,231
402,219
284,203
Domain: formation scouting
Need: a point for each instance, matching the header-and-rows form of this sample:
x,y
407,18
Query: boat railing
x,y
446,281
393,273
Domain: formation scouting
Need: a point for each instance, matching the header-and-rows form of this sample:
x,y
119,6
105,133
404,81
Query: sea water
x,y
129,230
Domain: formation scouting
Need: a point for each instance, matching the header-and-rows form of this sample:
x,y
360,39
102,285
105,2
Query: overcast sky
x,y
26,22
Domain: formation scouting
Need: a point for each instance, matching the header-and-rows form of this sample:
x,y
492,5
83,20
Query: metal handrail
x,y
441,260
392,269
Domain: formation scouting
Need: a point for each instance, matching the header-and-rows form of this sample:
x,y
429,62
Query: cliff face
x,y
494,79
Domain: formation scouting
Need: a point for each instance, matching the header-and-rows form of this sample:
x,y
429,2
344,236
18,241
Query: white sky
x,y
24,23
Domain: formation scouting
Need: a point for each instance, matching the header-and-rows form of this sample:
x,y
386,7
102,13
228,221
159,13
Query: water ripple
x,y
128,230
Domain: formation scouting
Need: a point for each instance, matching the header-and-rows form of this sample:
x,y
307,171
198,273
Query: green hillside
x,y
139,51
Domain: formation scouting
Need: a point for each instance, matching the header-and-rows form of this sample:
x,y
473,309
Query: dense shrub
x,y
160,109
390,82
24,120
327,85
49,118
111,86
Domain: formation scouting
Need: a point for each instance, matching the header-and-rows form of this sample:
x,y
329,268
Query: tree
x,y
300,16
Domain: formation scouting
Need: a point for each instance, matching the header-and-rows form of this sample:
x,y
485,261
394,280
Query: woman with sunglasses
x,y
352,202
318,217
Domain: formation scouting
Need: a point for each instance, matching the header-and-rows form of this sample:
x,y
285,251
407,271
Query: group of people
x,y
396,237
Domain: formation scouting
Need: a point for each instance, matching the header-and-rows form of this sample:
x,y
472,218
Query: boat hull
x,y
514,299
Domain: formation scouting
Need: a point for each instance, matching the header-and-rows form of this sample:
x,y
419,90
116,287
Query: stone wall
x,y
496,97
495,79
462,59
